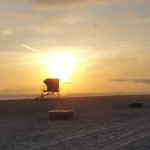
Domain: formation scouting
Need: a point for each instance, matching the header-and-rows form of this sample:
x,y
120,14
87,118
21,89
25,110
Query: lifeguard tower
x,y
52,90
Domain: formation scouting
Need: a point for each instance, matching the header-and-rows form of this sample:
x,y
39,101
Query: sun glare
x,y
61,66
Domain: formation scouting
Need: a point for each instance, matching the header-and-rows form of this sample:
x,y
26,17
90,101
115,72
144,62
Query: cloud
x,y
6,32
63,4
26,14
145,81
138,3
59,3
37,15
7,1
10,91
67,82
136,17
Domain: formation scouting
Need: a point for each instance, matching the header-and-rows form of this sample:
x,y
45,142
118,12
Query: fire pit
x,y
135,105
60,114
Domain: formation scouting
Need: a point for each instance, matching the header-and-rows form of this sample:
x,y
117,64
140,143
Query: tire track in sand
x,y
128,138
48,143
134,136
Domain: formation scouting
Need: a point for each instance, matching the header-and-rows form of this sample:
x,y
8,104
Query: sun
x,y
61,66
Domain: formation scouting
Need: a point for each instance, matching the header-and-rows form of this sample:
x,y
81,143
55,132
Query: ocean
x,y
17,96
33,96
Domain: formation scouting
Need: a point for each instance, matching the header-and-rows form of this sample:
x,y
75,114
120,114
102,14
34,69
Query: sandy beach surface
x,y
99,123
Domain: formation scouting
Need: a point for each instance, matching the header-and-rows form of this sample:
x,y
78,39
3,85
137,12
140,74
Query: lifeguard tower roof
x,y
52,84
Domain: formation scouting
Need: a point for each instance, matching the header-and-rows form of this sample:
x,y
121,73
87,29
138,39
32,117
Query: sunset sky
x,y
103,46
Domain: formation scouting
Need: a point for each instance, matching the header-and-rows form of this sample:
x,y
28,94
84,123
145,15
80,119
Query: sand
x,y
99,123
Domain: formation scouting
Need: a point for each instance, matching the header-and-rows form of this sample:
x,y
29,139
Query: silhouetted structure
x,y
52,89
60,114
135,105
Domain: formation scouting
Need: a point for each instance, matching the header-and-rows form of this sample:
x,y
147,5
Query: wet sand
x,y
104,122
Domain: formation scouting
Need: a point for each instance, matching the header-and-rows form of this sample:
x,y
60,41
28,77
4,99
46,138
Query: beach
x,y
100,122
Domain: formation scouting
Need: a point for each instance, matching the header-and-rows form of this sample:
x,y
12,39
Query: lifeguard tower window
x,y
52,84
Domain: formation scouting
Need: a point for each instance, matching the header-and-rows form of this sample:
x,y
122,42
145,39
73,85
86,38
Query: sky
x,y
107,39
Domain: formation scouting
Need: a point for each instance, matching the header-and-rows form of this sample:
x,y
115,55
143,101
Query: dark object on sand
x,y
60,114
139,105
52,89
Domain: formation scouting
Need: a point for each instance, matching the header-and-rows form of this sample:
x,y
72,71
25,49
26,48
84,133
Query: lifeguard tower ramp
x,y
52,90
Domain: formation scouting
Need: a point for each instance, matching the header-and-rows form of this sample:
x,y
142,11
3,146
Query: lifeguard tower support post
x,y
52,89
